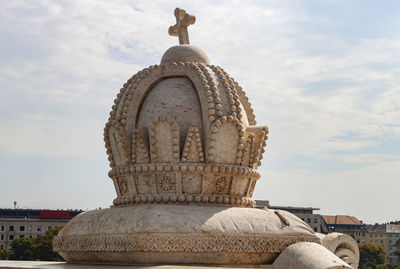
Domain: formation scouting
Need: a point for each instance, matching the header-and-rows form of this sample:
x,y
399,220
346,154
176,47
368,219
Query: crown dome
x,y
185,53
183,132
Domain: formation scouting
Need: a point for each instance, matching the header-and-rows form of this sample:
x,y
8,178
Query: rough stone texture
x,y
184,149
158,103
343,246
173,234
185,53
180,119
63,265
306,255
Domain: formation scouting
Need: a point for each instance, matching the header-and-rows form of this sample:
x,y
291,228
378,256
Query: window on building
x,y
30,236
2,237
315,220
48,227
309,220
21,236
2,228
363,234
30,228
39,229
1,246
390,235
11,228
315,229
22,228
11,237
381,235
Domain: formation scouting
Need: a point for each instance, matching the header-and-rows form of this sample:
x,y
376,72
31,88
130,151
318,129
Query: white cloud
x,y
82,52
319,88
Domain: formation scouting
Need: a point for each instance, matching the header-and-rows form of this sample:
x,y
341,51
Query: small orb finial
x,y
183,20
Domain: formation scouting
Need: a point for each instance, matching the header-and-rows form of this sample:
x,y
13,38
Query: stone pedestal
x,y
63,265
180,234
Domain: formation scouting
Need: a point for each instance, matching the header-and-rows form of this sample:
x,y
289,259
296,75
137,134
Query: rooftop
x,y
342,220
19,213
385,228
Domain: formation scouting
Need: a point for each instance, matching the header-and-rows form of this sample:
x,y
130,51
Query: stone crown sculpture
x,y
183,132
184,149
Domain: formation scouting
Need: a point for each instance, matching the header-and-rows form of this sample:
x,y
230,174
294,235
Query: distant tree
x,y
4,254
371,255
387,266
368,265
39,248
22,249
384,266
397,245
44,247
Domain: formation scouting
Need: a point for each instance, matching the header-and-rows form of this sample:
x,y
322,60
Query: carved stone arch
x,y
132,105
140,152
225,144
117,145
164,141
193,151
247,157
258,143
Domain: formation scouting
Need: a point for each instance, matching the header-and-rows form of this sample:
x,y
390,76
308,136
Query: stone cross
x,y
183,20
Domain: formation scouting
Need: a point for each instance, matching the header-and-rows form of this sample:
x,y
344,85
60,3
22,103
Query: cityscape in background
x,y
19,223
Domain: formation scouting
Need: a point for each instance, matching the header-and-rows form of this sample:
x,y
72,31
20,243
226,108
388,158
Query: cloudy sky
x,y
323,75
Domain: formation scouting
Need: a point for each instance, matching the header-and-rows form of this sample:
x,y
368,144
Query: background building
x,y
19,223
385,235
348,225
315,221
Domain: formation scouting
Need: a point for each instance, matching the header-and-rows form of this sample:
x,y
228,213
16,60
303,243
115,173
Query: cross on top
x,y
183,20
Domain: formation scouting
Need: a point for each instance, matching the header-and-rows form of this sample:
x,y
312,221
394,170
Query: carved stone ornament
x,y
184,150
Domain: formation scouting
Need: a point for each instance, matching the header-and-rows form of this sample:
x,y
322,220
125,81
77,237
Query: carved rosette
x,y
211,161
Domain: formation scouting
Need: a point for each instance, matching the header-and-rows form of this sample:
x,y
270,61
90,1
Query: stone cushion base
x,y
63,265
180,234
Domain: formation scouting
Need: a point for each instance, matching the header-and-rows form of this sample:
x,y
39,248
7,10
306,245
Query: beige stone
x,y
185,54
306,255
63,265
180,234
183,20
343,246
184,150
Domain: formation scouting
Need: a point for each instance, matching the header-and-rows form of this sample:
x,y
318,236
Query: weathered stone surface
x,y
184,149
185,54
63,265
306,255
180,234
343,246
